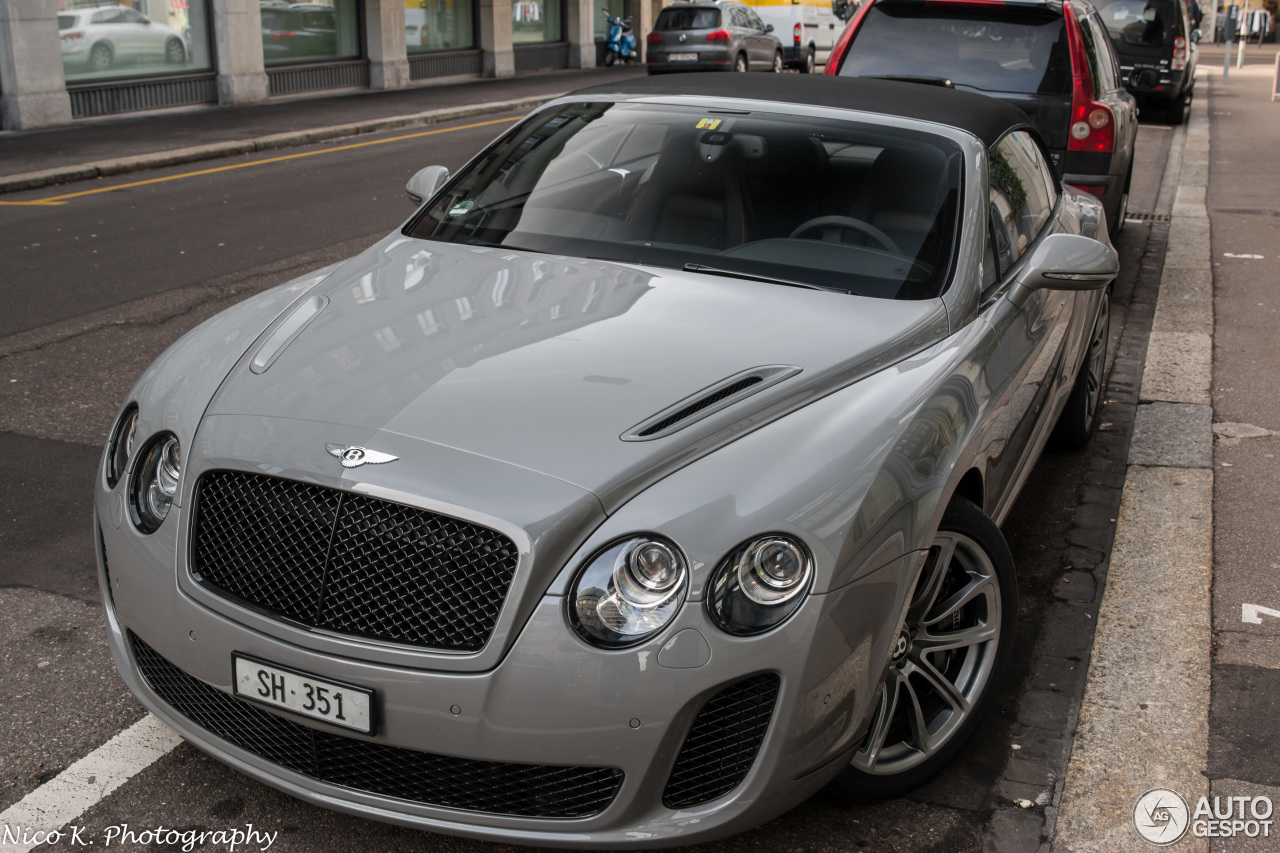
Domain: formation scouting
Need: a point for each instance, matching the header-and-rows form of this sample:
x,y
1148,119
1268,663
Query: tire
x,y
1075,424
967,581
174,52
101,56
777,63
609,58
1176,111
1116,223
740,64
809,63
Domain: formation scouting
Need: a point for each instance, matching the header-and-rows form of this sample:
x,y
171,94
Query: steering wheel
x,y
828,224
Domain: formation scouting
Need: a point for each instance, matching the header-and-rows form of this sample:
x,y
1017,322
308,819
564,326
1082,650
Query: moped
x,y
619,41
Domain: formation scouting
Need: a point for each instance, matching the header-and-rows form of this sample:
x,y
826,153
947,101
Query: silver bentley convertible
x,y
645,482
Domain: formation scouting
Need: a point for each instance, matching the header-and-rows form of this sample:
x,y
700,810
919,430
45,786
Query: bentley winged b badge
x,y
354,457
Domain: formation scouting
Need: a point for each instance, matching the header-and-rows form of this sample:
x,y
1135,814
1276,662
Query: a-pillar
x,y
33,90
580,29
384,31
495,38
237,27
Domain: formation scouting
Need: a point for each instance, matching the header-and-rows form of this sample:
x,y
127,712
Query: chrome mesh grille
x,y
722,743
350,563
522,790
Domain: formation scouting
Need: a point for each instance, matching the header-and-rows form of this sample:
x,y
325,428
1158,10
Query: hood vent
x,y
710,400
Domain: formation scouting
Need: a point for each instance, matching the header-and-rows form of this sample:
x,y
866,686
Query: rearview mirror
x,y
1195,36
426,182
768,28
1065,262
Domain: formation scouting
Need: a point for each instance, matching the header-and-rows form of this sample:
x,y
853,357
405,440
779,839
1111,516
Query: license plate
x,y
318,698
682,57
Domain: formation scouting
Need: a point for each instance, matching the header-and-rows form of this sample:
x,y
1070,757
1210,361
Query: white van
x,y
808,29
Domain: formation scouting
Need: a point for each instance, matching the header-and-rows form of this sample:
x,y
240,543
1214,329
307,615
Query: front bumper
x,y
550,700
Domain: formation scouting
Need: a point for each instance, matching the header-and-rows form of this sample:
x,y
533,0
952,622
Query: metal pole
x,y
1226,53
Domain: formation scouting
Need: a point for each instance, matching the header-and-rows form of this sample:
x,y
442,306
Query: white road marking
x,y
84,784
1253,613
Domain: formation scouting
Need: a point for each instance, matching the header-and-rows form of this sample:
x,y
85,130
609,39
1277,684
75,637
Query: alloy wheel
x,y
941,661
1096,365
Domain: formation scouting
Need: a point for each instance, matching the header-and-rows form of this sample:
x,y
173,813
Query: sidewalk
x,y
96,147
1183,688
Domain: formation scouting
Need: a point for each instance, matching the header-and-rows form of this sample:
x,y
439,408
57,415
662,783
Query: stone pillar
x,y
642,17
384,34
33,91
579,30
495,38
237,43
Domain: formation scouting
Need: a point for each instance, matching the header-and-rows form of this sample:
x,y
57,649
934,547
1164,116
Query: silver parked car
x,y
101,37
723,36
645,482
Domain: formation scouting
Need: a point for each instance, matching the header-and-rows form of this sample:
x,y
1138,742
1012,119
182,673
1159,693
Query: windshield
x,y
846,205
66,22
989,49
1139,22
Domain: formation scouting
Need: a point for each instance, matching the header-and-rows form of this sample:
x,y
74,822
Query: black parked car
x,y
723,36
1156,43
1051,59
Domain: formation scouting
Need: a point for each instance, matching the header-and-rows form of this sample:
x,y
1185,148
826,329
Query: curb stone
x,y
292,139
1144,719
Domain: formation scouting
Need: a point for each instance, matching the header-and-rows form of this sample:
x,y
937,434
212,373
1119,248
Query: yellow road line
x,y
61,199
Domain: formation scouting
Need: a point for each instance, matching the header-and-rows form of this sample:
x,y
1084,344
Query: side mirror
x,y
426,182
768,28
1195,36
1065,262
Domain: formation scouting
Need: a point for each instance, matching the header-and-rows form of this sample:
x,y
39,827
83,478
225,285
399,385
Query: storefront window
x,y
146,37
535,21
616,9
302,32
438,25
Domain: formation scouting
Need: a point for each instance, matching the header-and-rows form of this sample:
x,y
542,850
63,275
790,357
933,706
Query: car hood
x,y
545,362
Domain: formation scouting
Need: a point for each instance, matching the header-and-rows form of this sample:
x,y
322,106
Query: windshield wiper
x,y
703,268
928,81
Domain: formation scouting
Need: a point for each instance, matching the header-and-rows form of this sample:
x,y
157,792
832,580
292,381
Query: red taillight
x,y
1093,127
795,33
72,36
719,35
1180,54
286,36
1090,189
846,38
653,38
966,2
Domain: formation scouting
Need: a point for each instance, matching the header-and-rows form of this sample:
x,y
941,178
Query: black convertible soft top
x,y
986,118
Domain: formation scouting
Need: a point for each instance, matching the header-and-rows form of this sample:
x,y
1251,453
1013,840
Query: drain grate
x,y
1146,217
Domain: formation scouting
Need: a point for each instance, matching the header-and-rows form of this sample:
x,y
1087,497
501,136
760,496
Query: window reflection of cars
x,y
298,31
102,37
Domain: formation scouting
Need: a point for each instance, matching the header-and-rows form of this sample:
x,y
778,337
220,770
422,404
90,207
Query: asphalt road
x,y
96,287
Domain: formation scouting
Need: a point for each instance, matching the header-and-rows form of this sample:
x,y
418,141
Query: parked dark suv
x,y
1051,59
722,36
1156,43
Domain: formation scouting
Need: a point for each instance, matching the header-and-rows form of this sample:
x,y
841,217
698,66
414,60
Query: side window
x,y
1021,196
1107,68
738,17
755,21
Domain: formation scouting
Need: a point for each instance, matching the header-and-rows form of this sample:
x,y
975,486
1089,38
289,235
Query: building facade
x,y
61,60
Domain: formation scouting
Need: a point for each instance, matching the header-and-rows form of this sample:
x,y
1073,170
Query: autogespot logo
x,y
1161,816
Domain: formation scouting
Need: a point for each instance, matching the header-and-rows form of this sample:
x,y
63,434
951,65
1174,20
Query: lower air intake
x,y
723,742
520,790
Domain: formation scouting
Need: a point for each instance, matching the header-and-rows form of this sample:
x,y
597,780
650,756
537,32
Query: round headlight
x,y
120,450
628,592
759,585
155,482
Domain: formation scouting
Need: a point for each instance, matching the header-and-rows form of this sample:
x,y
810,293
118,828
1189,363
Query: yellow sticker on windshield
x,y
709,124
